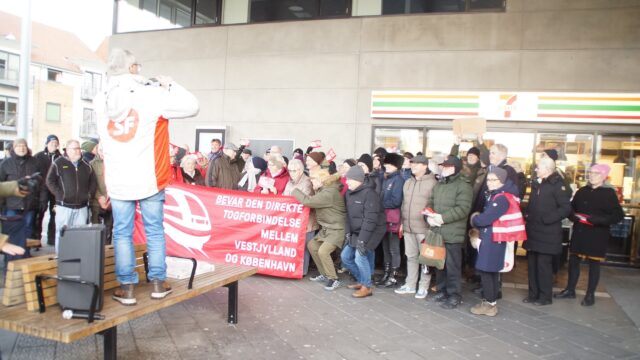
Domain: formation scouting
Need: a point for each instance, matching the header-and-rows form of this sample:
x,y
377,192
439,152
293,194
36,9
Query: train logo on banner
x,y
234,227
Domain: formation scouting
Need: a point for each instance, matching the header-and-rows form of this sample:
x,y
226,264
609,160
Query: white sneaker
x,y
404,289
421,294
319,278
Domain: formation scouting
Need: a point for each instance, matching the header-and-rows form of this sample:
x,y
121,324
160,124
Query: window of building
x,y
141,15
54,75
278,10
91,85
89,123
390,7
8,111
9,67
53,112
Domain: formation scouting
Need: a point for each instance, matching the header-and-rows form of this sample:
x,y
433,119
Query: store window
x,y
8,110
278,10
53,112
575,154
399,140
9,67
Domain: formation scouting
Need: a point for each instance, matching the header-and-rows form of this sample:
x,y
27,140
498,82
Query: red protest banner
x,y
234,227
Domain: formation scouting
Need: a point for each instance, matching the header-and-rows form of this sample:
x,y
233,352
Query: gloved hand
x,y
362,249
432,222
438,219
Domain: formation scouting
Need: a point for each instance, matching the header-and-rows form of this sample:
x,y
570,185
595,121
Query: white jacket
x,y
134,133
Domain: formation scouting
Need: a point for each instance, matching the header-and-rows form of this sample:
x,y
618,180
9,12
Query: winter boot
x,y
391,280
385,277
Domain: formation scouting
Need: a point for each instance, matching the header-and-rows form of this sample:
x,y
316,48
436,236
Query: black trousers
x,y
490,285
51,229
449,279
540,275
574,274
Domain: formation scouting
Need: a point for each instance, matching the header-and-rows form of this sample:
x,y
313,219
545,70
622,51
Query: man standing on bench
x,y
134,130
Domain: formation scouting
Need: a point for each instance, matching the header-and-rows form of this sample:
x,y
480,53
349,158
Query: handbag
x,y
432,250
393,220
508,257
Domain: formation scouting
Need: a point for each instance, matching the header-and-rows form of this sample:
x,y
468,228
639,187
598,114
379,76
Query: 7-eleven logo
x,y
507,103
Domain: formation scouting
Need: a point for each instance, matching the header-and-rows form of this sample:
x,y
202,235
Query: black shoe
x,y
589,300
440,296
542,302
452,302
391,280
529,300
565,294
385,277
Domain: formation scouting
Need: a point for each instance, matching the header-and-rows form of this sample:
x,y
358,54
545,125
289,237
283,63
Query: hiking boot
x,y
160,289
565,294
452,302
355,286
363,292
124,294
332,285
319,278
421,294
589,300
404,289
484,308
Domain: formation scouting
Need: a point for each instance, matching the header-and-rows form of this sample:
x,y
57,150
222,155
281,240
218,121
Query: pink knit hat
x,y
602,169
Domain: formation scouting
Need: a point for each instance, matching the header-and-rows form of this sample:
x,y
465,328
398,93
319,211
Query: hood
x,y
119,95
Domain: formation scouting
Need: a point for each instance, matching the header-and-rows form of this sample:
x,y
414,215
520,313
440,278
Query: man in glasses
x,y
73,183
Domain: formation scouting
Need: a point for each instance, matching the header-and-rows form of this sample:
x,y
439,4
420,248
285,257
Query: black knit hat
x,y
475,151
367,160
394,159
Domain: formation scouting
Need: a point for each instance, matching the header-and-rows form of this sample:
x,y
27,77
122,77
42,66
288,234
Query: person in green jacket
x,y
330,214
451,199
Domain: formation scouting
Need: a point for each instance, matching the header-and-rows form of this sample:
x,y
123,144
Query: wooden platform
x,y
50,325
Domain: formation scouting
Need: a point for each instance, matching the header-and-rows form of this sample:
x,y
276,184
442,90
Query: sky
x,y
90,20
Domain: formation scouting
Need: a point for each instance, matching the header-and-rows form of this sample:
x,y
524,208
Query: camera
x,y
30,183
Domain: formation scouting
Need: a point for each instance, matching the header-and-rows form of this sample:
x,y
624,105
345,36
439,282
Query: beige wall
x,y
48,91
313,79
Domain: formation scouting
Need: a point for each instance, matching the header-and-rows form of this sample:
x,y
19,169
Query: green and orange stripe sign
x,y
521,106
421,105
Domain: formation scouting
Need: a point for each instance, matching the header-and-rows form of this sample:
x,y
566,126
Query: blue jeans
x,y
359,266
152,209
18,230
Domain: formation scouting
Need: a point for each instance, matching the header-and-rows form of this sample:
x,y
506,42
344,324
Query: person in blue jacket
x,y
490,258
391,202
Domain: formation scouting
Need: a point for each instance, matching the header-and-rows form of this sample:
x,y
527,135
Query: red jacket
x,y
281,181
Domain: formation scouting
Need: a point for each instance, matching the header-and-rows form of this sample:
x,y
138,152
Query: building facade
x,y
268,79
64,75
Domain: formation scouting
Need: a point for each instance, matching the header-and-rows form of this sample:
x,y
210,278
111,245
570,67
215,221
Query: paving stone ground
x,y
296,319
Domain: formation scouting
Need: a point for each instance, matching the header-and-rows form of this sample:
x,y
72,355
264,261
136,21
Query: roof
x,y
50,46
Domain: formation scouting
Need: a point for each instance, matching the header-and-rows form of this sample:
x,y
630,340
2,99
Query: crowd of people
x,y
379,200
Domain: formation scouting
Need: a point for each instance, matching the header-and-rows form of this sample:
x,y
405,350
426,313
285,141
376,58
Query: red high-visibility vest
x,y
510,226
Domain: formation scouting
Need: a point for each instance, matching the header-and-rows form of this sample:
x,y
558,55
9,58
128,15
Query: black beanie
x,y
367,160
475,151
394,159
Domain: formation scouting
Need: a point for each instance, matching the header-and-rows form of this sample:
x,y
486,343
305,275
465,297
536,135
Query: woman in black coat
x,y
595,209
549,204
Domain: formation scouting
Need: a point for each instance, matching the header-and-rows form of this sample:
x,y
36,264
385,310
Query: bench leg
x,y
110,343
233,302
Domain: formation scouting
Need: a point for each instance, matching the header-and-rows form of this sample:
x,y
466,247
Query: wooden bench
x,y
50,324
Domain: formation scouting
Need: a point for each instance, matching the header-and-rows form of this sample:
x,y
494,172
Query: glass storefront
x,y
576,152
